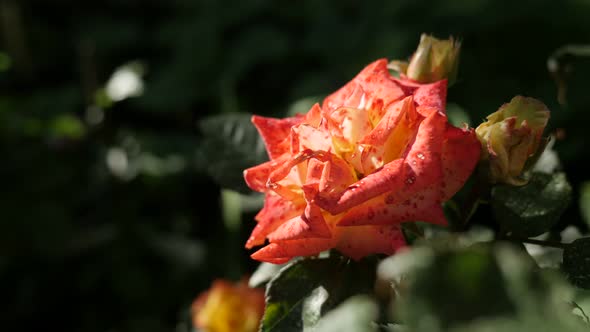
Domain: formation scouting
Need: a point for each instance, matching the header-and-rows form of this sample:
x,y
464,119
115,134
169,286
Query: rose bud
x,y
511,136
433,60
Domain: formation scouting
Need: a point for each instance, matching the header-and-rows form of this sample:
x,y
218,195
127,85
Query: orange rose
x,y
377,153
228,307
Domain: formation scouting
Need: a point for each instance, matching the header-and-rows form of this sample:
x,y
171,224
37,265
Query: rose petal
x,y
433,95
389,139
390,176
376,83
275,212
358,242
309,225
460,155
337,176
274,133
349,125
306,137
257,177
388,209
278,253
314,116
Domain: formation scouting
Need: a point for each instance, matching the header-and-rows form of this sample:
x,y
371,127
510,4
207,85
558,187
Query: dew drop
x,y
353,186
410,180
389,199
420,156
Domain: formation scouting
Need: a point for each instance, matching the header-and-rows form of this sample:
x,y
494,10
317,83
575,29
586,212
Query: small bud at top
x,y
433,61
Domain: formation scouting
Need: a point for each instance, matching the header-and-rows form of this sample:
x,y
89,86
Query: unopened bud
x,y
433,61
511,136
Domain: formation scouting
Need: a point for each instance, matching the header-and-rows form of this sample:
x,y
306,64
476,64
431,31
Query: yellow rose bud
x,y
433,61
510,136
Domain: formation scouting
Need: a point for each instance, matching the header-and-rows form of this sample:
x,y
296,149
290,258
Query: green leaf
x,y
264,273
529,323
532,209
67,126
585,201
231,144
397,267
302,291
576,262
357,314
479,287
457,115
467,277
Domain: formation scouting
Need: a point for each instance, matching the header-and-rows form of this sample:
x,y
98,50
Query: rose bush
x,y
376,153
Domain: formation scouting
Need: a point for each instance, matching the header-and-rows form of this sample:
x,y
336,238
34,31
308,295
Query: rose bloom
x,y
228,307
376,153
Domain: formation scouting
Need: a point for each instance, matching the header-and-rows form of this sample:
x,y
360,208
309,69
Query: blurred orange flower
x,y
377,153
228,307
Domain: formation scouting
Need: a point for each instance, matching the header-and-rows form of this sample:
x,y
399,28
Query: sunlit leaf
x,y
356,314
264,273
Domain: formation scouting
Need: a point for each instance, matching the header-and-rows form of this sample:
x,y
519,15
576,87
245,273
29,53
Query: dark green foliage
x,y
576,262
483,287
230,144
453,288
302,291
534,208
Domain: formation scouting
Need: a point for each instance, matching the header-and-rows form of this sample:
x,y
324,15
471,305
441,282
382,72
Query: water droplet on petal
x,y
389,199
420,156
411,180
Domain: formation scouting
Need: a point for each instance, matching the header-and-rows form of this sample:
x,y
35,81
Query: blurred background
x,y
124,130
